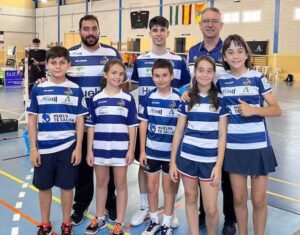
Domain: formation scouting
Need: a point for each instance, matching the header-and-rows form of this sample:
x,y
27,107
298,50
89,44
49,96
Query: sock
x,y
144,201
154,217
100,218
167,220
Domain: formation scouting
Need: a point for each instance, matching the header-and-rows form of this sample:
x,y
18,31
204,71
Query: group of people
x,y
213,135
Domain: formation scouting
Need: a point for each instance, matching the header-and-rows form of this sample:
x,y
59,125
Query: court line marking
x,y
284,181
8,111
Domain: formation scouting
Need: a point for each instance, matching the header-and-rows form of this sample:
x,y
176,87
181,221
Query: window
x,y
252,16
297,13
231,17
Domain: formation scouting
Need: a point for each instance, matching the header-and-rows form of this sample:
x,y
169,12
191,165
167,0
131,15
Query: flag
x,y
186,14
199,8
174,15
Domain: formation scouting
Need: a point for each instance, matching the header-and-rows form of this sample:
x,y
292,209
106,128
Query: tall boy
x,y
142,78
56,126
158,116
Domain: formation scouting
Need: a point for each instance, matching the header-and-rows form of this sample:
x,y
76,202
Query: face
x,y
35,45
162,78
211,25
204,74
89,33
115,75
159,35
235,56
58,67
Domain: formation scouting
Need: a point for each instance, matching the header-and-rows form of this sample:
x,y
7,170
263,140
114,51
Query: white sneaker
x,y
152,228
139,217
174,221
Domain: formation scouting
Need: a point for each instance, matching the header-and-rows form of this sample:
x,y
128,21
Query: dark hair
x,y
159,20
238,41
214,9
107,67
57,51
194,91
86,18
162,64
36,40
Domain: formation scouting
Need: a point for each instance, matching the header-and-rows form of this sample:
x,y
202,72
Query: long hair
x,y
107,67
194,90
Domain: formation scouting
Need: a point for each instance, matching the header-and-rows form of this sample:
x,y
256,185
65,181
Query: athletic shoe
x,y
166,230
66,229
229,228
112,215
139,217
44,229
118,229
152,228
174,221
95,225
77,217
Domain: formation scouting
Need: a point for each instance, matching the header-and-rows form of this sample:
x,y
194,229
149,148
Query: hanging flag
x,y
199,8
174,15
186,14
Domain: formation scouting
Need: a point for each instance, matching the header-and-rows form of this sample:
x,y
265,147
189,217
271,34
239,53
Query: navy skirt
x,y
253,162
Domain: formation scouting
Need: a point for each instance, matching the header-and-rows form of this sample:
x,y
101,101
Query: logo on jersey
x,y
172,106
104,60
152,128
46,117
121,103
212,108
228,91
47,99
79,68
67,100
63,118
247,82
155,111
68,91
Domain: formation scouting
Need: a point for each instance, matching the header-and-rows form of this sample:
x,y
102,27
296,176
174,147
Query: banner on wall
x,y
199,8
186,14
258,47
139,19
174,15
1,37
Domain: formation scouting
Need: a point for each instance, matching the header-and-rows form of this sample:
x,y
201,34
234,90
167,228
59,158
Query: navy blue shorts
x,y
56,170
154,166
193,169
137,146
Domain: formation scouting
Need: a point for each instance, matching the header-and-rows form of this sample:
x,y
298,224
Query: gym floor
x,y
19,208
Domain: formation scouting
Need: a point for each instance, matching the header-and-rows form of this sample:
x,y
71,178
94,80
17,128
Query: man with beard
x,y
87,62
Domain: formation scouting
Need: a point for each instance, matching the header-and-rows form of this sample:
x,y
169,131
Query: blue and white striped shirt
x,y
56,107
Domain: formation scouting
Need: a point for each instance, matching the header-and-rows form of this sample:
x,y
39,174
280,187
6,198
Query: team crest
x,y
247,82
121,103
212,108
104,60
68,91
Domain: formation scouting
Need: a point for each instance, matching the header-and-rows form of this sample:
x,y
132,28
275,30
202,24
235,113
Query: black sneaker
x,y
44,229
112,215
229,228
66,229
95,225
77,217
152,229
164,230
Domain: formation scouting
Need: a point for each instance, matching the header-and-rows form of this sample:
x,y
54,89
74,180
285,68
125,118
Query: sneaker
x,y
229,228
112,215
166,230
152,228
66,229
77,217
139,217
117,229
95,225
174,221
44,229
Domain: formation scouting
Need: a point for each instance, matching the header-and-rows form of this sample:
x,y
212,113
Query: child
x,y
248,150
158,117
202,123
111,141
56,125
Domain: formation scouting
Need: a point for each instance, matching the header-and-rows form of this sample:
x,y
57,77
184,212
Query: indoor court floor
x,y
19,210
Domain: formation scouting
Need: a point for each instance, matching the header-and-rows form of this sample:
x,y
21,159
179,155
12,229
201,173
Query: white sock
x,y
144,200
100,218
154,217
167,220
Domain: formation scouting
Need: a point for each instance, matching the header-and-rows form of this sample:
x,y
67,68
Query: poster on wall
x,y
258,47
139,19
1,37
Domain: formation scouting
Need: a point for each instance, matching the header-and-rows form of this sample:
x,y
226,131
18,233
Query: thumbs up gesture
x,y
245,109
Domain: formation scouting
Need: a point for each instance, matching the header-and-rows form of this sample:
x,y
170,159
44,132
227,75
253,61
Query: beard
x,y
90,43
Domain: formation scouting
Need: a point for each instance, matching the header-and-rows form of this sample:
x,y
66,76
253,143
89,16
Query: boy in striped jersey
x,y
56,124
158,115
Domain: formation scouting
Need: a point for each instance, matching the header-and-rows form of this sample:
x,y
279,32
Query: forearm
x,y
90,138
132,138
143,135
32,129
222,141
177,137
268,111
79,131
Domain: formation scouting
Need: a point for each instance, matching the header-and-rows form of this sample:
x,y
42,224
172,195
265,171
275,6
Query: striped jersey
x,y
161,114
56,107
142,72
245,132
87,67
200,140
111,116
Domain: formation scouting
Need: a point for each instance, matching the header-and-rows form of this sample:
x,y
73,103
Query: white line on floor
x,y
16,217
19,205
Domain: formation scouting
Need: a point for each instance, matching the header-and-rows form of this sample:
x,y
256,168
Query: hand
x,y
41,80
76,157
35,62
90,158
185,96
245,109
35,158
143,159
129,157
216,176
173,172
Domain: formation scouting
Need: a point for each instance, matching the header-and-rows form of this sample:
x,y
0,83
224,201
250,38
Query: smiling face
x,y
89,33
58,67
115,76
211,25
236,56
204,74
159,35
162,78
